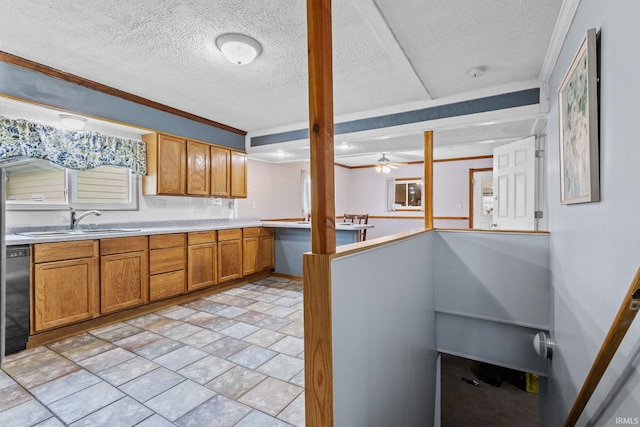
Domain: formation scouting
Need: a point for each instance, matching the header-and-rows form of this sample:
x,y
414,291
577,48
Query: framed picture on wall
x,y
578,109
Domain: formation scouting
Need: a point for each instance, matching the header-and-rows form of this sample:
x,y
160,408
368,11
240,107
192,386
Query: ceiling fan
x,y
384,165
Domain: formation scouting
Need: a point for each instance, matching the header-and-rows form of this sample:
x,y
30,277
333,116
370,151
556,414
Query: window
x,y
34,184
404,194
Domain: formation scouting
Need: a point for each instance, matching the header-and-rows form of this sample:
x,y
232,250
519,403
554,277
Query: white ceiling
x,y
389,55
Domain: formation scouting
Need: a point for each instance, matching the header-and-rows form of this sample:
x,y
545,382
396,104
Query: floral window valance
x,y
71,149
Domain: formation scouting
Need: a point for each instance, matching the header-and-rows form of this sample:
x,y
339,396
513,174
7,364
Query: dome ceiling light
x,y
71,121
238,48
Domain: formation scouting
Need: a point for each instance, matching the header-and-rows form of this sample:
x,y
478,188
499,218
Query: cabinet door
x,y
198,168
124,281
172,165
266,258
202,262
238,174
220,172
65,292
250,255
229,260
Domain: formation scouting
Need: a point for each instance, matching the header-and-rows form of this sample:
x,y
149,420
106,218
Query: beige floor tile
x,y
236,382
271,396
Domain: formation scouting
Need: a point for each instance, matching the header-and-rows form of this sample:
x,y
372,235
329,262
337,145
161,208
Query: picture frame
x,y
579,135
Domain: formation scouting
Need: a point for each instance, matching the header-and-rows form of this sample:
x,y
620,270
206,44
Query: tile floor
x,y
229,359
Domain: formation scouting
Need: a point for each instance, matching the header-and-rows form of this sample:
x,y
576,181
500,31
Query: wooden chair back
x,y
357,219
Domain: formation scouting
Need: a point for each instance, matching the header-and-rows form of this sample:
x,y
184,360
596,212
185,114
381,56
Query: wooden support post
x,y
428,179
323,215
318,354
626,313
318,349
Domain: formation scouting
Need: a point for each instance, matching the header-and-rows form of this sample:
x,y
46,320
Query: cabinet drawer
x,y
200,237
166,285
46,252
164,260
120,245
161,241
232,234
251,232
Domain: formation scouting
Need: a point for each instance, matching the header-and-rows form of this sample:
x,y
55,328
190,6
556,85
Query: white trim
x,y
560,31
493,319
490,361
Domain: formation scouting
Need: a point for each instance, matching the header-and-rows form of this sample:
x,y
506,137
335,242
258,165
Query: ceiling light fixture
x,y
385,165
72,122
238,48
477,71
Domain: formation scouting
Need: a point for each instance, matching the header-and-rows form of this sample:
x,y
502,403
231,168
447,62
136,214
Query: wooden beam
x,y
318,349
323,217
428,179
626,313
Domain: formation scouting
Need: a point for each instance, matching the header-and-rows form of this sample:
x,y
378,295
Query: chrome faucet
x,y
76,219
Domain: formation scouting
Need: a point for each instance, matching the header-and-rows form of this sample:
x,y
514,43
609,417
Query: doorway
x,y
479,394
481,198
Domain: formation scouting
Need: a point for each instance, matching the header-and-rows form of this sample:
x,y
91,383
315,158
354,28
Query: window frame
x,y
391,194
133,184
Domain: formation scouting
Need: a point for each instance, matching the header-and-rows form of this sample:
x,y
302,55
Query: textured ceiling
x,y
387,53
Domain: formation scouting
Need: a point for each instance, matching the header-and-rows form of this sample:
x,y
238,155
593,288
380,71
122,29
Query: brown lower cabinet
x,y
250,250
124,273
80,280
229,254
266,257
167,265
202,260
65,283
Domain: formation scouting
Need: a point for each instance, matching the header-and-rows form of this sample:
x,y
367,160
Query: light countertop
x,y
307,225
126,230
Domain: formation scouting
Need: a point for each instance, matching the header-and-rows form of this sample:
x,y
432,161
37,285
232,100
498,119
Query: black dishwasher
x,y
17,299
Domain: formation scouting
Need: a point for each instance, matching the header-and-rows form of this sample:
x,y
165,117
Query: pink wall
x,y
274,192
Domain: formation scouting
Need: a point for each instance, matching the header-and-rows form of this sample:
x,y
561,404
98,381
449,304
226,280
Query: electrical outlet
x,y
459,206
253,205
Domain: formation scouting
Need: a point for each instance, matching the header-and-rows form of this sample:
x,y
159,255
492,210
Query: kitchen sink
x,y
103,230
72,232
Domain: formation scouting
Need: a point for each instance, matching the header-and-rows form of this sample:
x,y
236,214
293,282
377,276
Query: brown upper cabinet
x,y
238,174
180,167
166,165
220,172
198,168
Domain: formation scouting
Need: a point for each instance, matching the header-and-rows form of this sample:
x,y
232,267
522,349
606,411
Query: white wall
x,y
492,296
151,208
595,247
451,186
384,340
274,191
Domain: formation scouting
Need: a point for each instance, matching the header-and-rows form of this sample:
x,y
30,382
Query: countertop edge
x,y
14,239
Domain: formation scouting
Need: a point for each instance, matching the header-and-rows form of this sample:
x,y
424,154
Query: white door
x,y
514,183
483,199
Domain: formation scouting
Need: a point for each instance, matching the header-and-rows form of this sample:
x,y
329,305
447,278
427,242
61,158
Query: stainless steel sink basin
x,y
43,233
72,232
103,230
